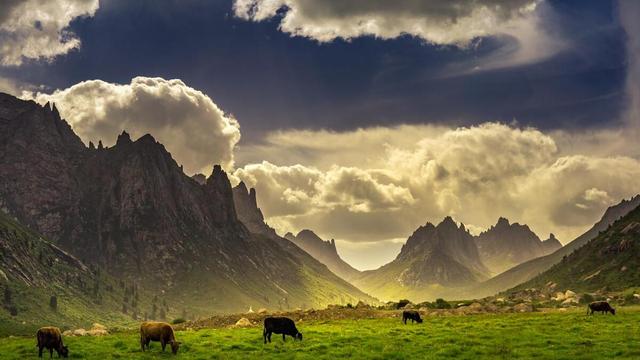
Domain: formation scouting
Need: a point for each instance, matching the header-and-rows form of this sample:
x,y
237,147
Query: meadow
x,y
541,335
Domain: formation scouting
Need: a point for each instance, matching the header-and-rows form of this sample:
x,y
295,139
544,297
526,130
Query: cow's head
x,y
613,311
299,336
64,351
174,346
419,321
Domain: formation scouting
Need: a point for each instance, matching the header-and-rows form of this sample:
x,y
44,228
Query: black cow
x,y
411,314
280,325
600,306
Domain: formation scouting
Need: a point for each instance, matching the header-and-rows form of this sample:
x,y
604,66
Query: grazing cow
x,y
600,306
411,314
51,338
158,331
280,325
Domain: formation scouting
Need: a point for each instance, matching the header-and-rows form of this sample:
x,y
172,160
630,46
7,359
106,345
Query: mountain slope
x,y
250,215
323,251
528,270
505,245
33,270
129,209
435,261
611,260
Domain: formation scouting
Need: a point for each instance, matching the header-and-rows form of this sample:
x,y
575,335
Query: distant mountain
x,y
434,261
505,245
551,245
528,270
130,210
34,273
610,261
323,251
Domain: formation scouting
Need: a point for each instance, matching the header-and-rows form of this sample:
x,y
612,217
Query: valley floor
x,y
542,335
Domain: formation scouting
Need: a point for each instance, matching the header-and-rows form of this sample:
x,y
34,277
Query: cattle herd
x,y
50,337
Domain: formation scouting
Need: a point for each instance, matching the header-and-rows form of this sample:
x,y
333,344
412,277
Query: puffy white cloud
x,y
192,127
476,173
299,189
440,22
37,29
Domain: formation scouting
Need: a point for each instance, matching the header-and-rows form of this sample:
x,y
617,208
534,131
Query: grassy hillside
x,y
610,261
557,335
34,272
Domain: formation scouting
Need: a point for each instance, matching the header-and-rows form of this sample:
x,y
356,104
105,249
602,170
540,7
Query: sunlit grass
x,y
569,335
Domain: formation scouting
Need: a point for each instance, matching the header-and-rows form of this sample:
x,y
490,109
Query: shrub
x,y
53,303
402,303
587,298
442,304
178,321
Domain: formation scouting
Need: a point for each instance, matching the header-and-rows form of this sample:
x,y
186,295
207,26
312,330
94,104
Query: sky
x,y
358,120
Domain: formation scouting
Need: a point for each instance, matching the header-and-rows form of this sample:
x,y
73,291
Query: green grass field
x,y
556,335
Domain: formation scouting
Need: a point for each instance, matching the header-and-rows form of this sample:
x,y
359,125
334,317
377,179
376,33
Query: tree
x,y
53,303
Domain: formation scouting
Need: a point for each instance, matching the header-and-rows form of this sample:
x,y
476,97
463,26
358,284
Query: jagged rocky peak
x,y
289,236
124,139
309,236
247,209
505,245
551,244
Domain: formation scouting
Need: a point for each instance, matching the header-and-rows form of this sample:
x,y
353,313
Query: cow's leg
x,y
269,336
264,335
142,343
404,320
39,351
283,337
163,343
51,353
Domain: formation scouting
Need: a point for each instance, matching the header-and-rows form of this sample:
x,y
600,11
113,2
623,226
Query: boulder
x,y
522,308
67,333
243,322
559,297
570,301
97,326
569,294
637,296
264,311
79,332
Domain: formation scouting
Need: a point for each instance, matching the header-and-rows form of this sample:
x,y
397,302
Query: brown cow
x,y
51,338
158,331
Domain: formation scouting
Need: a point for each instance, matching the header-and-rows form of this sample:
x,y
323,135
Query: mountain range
x,y
445,260
130,211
